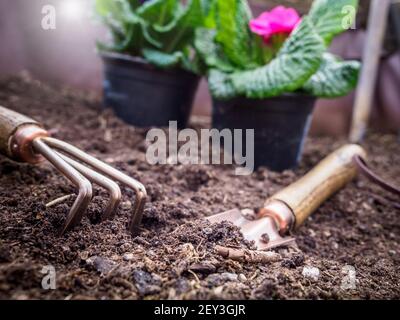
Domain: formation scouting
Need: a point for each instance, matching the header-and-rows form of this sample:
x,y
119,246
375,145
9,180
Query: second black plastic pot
x,y
280,126
146,96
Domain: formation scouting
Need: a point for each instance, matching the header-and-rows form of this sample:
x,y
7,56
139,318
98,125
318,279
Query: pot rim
x,y
141,61
122,56
282,96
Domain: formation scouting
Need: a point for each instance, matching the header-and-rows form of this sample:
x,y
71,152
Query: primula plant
x,y
160,31
276,53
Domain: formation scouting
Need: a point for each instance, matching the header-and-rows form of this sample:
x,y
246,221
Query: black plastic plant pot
x,y
146,96
280,126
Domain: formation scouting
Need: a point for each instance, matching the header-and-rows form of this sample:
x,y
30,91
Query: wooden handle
x,y
330,175
10,121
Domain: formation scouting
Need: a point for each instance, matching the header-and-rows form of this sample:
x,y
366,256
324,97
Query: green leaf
x,y
161,59
105,8
118,46
188,16
332,17
112,14
335,78
211,53
180,32
299,58
158,12
220,85
161,31
209,9
128,28
233,33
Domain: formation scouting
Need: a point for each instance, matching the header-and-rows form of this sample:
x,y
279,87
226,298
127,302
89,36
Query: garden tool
x,y
285,211
25,140
377,25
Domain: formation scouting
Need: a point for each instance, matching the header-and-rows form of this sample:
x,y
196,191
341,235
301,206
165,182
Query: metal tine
x,y
112,187
108,170
85,188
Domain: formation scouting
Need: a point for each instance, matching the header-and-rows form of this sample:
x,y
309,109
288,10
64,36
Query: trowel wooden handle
x,y
330,175
10,122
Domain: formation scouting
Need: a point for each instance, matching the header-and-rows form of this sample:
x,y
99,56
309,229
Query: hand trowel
x,y
285,211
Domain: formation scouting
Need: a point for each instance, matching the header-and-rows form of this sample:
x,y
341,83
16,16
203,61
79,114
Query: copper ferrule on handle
x,y
21,143
291,206
281,213
17,132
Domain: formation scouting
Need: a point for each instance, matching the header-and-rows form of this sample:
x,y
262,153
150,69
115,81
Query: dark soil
x,y
174,257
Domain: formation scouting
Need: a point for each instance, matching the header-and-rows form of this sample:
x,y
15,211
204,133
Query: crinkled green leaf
x,y
332,17
162,59
299,58
220,85
234,35
211,52
335,78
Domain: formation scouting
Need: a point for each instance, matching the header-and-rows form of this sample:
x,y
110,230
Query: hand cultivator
x,y
25,140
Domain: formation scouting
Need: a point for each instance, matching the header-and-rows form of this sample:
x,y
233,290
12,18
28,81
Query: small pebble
x,y
115,257
84,255
128,256
101,264
126,205
311,273
229,276
326,234
242,277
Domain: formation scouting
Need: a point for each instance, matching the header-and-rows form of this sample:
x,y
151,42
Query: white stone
x,y
311,273
128,256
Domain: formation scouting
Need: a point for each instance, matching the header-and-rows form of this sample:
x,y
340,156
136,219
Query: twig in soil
x,y
250,256
58,201
195,276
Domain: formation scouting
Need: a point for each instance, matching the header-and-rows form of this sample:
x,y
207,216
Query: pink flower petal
x,y
260,27
278,20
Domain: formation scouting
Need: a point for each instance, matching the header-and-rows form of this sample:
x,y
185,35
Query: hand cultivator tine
x,y
95,177
111,172
85,188
23,139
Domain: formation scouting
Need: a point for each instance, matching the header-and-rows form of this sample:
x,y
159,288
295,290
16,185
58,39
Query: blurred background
x,y
67,56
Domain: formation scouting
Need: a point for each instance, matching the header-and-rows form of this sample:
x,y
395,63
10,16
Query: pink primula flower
x,y
280,20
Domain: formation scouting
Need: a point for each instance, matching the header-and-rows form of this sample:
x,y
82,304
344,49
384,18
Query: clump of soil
x,y
356,233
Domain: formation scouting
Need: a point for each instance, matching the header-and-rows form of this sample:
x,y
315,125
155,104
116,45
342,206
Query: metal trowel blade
x,y
264,231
